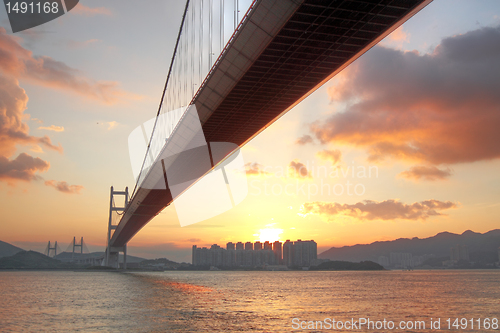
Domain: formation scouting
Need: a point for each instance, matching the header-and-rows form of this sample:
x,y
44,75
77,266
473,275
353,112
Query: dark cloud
x,y
373,210
23,167
298,170
194,240
335,156
305,139
64,187
426,172
439,108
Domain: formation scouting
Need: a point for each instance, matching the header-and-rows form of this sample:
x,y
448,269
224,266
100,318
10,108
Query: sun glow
x,y
269,234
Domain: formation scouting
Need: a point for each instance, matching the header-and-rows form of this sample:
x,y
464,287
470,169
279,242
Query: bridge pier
x,y
112,255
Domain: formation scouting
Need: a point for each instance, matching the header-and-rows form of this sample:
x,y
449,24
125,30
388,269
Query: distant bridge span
x,y
282,51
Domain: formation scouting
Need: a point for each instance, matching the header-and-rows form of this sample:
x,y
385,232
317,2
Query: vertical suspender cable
x,y
210,8
200,47
221,25
193,42
163,94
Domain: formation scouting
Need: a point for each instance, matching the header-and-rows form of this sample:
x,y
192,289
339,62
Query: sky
x,y
403,143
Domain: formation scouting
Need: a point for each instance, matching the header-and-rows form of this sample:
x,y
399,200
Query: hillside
x,y
7,250
68,256
163,263
438,245
31,260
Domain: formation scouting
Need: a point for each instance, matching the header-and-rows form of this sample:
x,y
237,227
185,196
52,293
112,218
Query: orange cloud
x,y
399,35
255,169
52,128
20,63
426,172
440,108
64,187
396,39
87,11
112,124
330,155
23,167
374,210
13,131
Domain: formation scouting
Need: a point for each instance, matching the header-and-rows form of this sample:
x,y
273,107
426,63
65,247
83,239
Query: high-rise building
x,y
383,261
217,256
194,259
287,253
395,258
401,259
463,252
201,256
229,258
248,258
298,254
277,252
459,252
267,257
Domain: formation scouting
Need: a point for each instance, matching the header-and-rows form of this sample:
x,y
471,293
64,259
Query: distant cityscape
x,y
402,260
469,250
254,255
458,253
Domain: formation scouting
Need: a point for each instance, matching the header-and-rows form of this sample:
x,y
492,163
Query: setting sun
x,y
269,234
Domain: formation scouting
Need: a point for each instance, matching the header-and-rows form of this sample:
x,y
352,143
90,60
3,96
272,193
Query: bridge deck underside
x,y
319,39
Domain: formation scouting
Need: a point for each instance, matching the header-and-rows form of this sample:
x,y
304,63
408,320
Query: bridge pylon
x,y
49,248
75,245
111,257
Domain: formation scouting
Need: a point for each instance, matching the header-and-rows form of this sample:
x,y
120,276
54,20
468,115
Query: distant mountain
x,y
7,250
31,260
438,245
160,262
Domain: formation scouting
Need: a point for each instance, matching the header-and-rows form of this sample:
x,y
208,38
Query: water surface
x,y
238,301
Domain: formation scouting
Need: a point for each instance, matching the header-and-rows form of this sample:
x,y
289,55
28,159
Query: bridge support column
x,y
111,257
125,257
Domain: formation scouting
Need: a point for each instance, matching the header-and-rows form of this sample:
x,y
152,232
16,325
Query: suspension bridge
x,y
74,251
237,67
